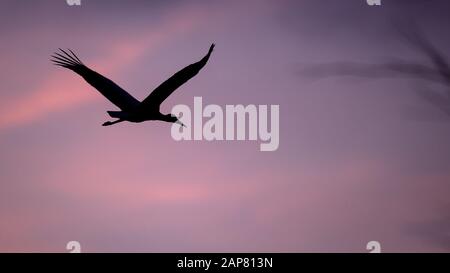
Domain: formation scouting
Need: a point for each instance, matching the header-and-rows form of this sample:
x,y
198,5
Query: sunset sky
x,y
359,159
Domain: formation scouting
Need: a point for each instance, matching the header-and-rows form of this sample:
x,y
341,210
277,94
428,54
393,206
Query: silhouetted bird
x,y
132,109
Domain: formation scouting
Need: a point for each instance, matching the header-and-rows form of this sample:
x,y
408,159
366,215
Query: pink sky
x,y
351,166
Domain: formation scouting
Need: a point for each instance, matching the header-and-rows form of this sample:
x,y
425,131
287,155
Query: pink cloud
x,y
58,92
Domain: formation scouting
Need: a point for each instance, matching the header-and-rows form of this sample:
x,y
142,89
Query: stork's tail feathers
x,y
115,114
64,59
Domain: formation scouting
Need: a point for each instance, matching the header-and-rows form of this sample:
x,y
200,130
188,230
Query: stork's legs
x,y
108,123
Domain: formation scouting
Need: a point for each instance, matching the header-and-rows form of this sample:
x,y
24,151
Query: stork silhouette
x,y
132,110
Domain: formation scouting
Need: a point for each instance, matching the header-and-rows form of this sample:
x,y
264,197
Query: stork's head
x,y
174,119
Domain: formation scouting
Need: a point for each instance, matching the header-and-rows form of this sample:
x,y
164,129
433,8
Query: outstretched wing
x,y
105,86
164,90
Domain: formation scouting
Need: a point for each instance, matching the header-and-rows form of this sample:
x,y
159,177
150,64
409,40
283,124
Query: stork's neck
x,y
168,117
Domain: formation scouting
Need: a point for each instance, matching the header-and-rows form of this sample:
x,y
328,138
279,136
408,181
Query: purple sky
x,y
359,159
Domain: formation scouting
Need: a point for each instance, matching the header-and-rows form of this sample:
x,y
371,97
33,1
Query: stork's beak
x,y
181,123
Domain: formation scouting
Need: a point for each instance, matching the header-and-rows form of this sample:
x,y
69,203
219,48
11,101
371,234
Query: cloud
x,y
60,92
